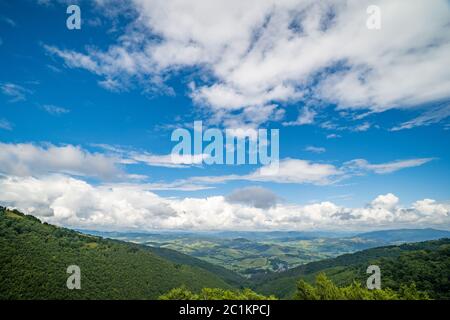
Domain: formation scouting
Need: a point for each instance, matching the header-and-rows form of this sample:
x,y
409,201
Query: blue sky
x,y
113,92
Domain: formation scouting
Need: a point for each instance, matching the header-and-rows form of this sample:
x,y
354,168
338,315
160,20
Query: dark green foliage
x,y
428,269
213,294
229,276
425,264
34,258
325,289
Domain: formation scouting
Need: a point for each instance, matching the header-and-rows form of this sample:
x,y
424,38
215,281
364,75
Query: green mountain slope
x,y
34,257
427,264
228,276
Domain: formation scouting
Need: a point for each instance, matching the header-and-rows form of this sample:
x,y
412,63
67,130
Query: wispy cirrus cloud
x,y
6,125
314,149
55,110
8,21
298,171
361,165
333,136
130,156
430,117
288,170
14,91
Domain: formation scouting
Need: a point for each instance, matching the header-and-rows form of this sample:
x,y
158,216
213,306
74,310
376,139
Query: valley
x,y
254,253
35,255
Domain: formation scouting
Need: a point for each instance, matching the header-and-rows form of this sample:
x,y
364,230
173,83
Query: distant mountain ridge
x,y
253,253
388,235
405,235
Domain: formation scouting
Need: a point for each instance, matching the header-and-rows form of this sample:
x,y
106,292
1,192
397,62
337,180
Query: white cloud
x,y
112,164
286,171
432,116
55,110
75,202
306,116
29,159
306,172
362,127
154,160
5,125
16,92
387,201
260,52
169,160
315,149
382,168
71,202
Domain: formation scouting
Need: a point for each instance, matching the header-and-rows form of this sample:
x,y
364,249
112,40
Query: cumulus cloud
x,y
387,201
257,197
71,202
259,52
28,159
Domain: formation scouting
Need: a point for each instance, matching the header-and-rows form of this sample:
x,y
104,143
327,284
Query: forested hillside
x,y
34,257
425,264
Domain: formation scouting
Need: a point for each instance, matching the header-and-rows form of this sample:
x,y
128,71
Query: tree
x,y
325,289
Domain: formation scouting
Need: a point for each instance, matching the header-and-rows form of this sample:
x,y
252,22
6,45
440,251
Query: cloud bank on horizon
x,y
67,201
